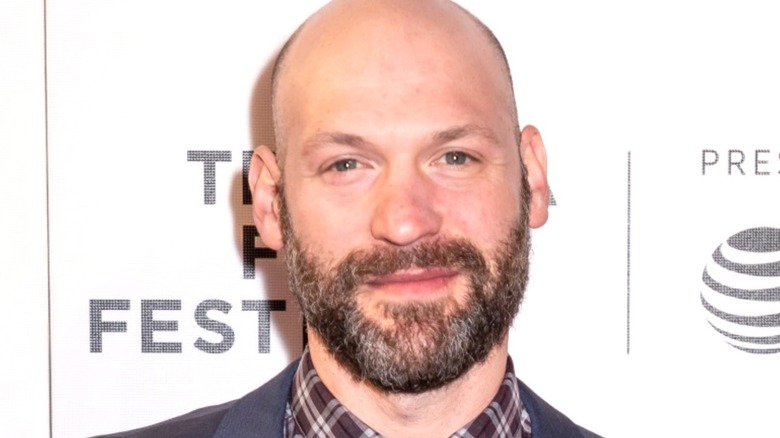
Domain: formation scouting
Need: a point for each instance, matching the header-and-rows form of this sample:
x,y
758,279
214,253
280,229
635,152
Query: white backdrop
x,y
136,117
24,379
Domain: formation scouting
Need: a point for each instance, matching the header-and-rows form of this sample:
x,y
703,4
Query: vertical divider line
x,y
48,227
628,256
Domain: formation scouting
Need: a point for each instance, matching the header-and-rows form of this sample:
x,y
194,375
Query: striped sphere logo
x,y
741,290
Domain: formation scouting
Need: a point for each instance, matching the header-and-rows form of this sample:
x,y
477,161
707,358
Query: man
x,y
402,190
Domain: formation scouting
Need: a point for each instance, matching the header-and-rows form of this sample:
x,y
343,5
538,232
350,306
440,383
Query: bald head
x,y
392,40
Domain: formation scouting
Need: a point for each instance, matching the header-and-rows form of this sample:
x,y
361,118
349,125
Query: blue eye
x,y
456,157
344,165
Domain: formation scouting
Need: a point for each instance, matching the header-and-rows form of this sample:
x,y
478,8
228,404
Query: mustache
x,y
360,266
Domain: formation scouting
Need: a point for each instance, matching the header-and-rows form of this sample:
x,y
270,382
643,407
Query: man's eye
x,y
456,157
344,165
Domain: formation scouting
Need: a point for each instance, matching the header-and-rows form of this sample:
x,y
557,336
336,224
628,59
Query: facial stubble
x,y
416,346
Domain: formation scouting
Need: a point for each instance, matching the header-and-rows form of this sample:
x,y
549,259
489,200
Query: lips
x,y
414,282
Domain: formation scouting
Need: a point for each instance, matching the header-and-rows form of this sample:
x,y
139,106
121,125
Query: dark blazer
x,y
260,414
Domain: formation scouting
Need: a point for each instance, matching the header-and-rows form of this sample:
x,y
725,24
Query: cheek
x,y
484,216
325,226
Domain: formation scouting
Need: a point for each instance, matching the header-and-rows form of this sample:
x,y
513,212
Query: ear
x,y
535,158
264,177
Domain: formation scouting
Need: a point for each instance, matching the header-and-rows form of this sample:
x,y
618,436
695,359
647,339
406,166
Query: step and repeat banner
x,y
654,302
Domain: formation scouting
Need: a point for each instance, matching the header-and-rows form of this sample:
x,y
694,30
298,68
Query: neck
x,y
438,412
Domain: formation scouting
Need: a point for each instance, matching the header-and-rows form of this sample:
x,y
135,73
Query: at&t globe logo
x,y
741,290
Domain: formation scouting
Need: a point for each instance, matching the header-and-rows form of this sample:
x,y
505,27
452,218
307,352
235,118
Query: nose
x,y
405,208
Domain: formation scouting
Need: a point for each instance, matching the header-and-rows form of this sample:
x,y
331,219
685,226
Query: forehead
x,y
374,50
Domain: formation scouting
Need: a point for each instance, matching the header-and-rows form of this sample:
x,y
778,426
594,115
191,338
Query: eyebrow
x,y
339,138
458,132
335,137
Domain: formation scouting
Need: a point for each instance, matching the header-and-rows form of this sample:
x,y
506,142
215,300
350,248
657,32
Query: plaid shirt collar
x,y
314,412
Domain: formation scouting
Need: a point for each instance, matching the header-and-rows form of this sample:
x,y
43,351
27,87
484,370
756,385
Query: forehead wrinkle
x,y
439,137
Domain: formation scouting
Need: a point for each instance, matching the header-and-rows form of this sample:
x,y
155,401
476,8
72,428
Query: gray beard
x,y
429,344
